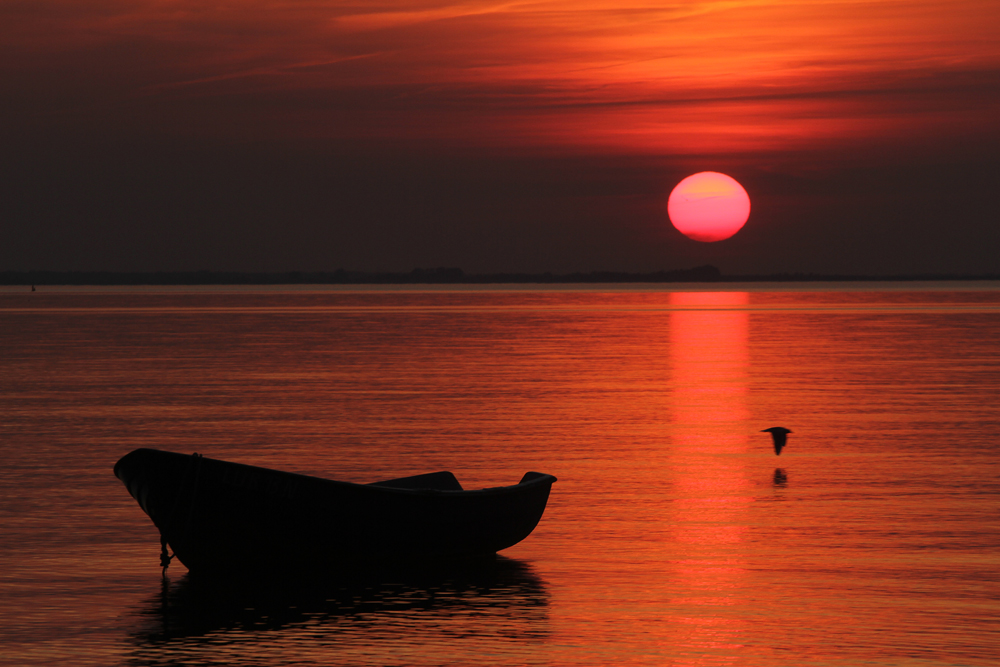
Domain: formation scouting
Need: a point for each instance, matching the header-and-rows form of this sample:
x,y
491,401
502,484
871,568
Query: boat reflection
x,y
316,620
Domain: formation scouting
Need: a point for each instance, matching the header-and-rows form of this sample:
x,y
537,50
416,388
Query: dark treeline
x,y
701,274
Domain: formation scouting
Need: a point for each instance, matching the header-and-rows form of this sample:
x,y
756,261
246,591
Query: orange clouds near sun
x,y
706,77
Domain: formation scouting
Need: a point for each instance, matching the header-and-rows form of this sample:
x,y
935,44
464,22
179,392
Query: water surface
x,y
673,536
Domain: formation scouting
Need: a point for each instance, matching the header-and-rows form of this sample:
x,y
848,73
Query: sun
x,y
708,206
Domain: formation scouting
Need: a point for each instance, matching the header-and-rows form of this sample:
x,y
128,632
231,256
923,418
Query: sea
x,y
674,534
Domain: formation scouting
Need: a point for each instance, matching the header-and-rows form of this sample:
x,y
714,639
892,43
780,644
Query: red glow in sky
x,y
496,136
614,75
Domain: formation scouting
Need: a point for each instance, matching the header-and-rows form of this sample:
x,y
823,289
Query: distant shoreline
x,y
440,276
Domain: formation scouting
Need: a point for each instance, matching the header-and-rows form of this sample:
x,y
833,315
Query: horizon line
x,y
446,275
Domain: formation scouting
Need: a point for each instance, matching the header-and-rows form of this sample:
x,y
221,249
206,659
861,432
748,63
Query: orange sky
x,y
623,76
763,83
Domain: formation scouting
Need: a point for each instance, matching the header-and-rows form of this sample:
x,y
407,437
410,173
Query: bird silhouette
x,y
779,434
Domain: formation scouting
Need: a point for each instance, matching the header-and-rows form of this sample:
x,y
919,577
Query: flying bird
x,y
779,434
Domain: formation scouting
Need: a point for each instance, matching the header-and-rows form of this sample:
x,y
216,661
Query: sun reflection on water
x,y
709,360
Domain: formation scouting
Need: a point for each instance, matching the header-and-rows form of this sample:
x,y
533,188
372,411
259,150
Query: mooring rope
x,y
166,557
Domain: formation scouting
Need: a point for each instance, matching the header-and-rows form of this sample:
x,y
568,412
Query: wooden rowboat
x,y
219,516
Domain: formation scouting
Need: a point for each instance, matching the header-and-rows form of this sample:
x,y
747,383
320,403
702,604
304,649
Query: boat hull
x,y
219,516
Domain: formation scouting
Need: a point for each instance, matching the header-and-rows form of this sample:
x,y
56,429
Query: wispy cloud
x,y
267,71
391,18
622,74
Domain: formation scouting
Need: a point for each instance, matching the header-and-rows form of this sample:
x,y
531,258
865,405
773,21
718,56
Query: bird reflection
x,y
779,434
780,478
478,598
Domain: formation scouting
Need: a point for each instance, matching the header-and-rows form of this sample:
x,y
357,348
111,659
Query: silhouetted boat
x,y
219,516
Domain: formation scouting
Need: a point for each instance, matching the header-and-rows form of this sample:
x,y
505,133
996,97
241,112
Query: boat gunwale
x,y
373,487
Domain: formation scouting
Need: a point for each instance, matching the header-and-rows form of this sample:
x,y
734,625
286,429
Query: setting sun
x,y
708,206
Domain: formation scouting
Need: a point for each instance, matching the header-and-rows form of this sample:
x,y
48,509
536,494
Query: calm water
x,y
674,536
